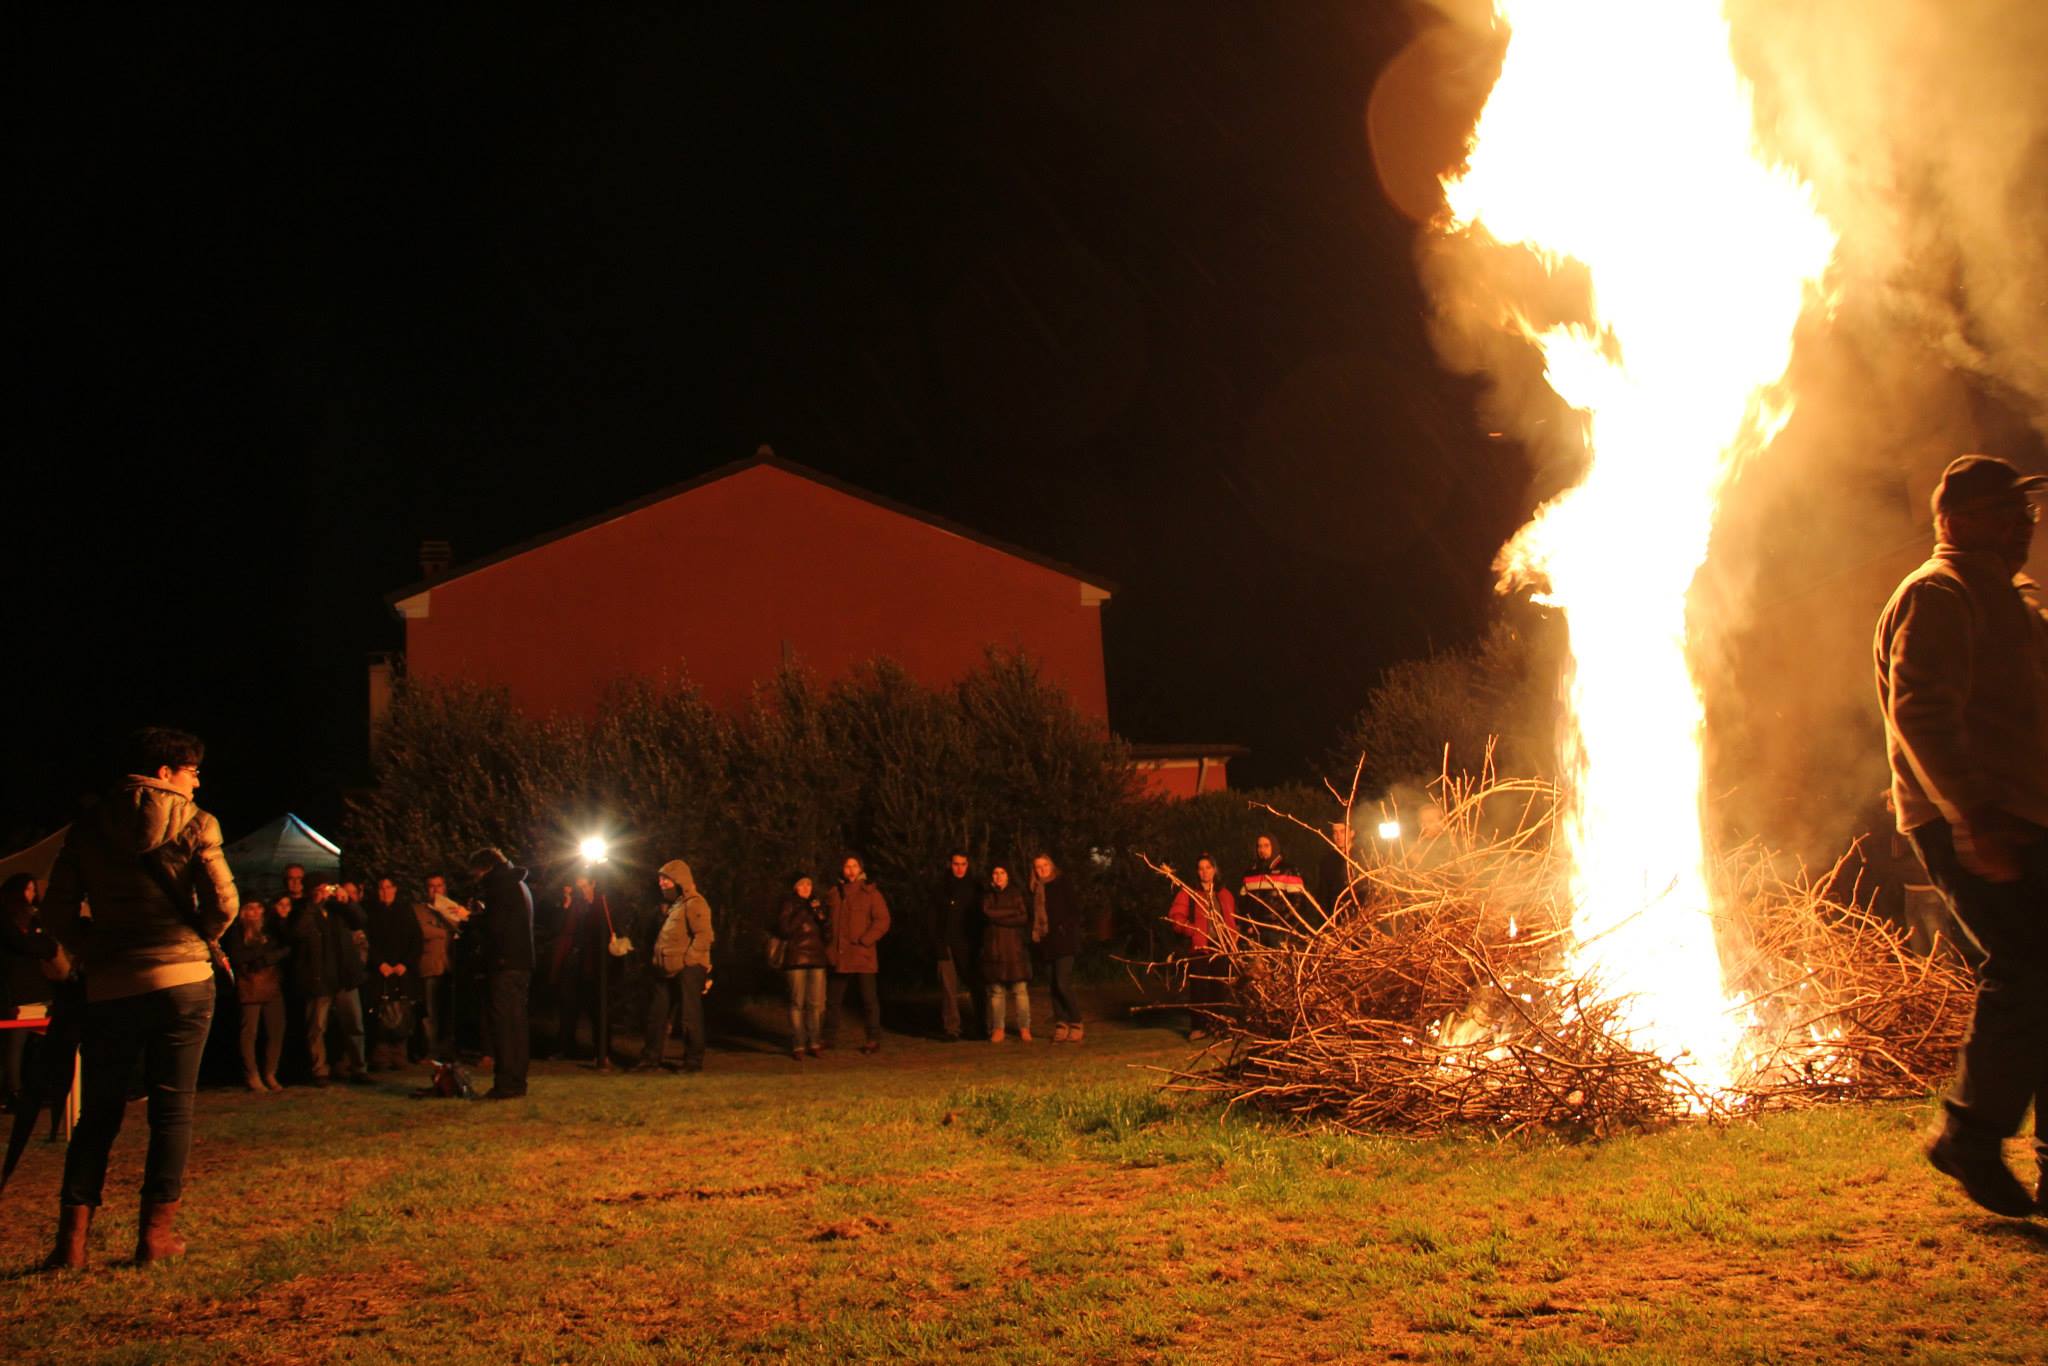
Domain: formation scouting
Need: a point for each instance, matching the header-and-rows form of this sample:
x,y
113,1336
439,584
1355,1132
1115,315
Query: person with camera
x,y
149,860
440,918
347,950
503,919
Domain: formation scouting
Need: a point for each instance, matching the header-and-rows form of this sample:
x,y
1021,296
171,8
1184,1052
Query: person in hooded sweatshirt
x,y
504,925
150,863
682,964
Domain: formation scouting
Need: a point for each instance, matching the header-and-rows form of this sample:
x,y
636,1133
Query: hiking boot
x,y
1023,1036
996,1035
155,1238
1983,1176
73,1223
1059,1031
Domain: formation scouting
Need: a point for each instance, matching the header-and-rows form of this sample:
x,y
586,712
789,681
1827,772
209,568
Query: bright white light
x,y
1390,830
594,849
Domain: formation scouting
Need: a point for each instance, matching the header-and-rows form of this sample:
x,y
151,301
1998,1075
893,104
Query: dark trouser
x,y
835,998
510,1044
167,1030
952,983
269,1016
14,1043
317,1008
681,994
436,1020
1066,1007
583,995
346,1017
2005,1059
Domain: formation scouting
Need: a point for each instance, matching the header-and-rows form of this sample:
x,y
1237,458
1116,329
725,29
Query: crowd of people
x,y
142,937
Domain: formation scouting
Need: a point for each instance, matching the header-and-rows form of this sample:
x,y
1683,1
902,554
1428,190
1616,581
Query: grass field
x,y
1040,1203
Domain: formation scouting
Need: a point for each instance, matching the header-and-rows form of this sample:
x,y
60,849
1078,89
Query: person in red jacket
x,y
1206,916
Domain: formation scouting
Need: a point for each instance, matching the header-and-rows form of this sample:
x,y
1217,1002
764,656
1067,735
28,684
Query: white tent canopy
x,y
37,859
260,857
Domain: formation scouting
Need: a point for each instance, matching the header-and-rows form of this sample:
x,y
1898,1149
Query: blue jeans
x,y
806,1005
166,1029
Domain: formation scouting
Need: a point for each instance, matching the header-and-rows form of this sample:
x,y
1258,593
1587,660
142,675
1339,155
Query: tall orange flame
x,y
1620,136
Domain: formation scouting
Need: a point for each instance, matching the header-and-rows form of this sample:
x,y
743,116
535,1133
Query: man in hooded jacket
x,y
682,963
149,862
859,917
504,919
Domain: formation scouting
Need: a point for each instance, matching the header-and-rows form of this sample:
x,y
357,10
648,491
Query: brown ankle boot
x,y
155,1240
69,1254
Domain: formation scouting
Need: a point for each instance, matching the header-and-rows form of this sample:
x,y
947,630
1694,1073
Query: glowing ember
x,y
1619,136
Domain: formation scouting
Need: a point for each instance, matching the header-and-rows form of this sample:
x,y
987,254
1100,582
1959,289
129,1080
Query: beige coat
x,y
138,935
684,940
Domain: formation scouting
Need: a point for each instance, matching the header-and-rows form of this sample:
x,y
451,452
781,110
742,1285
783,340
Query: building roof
x,y
768,458
1141,753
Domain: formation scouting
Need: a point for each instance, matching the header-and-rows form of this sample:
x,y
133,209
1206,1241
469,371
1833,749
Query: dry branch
x,y
1437,993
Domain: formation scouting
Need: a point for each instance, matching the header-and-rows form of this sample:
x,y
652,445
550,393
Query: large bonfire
x,y
1589,961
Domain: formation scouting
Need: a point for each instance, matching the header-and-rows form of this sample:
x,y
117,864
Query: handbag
x,y
394,1016
778,951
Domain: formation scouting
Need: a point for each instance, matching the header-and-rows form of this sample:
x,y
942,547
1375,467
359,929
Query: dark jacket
x,y
395,938
802,926
150,862
23,951
1005,952
1062,917
345,920
1272,893
860,917
954,919
257,959
312,972
504,922
1962,676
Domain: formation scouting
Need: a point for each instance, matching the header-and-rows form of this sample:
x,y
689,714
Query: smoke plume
x,y
1922,126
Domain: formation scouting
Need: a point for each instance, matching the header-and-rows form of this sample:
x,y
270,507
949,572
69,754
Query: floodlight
x,y
594,849
1390,830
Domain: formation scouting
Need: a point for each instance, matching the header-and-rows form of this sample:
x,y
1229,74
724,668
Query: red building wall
x,y
726,580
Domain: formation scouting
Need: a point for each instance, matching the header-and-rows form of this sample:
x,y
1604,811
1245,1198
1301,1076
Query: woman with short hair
x,y
801,922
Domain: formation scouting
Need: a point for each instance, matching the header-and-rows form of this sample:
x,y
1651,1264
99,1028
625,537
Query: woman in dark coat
x,y
1056,926
801,923
256,950
1006,955
394,969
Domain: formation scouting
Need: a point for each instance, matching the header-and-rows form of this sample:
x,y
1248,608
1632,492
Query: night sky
x,y
1115,282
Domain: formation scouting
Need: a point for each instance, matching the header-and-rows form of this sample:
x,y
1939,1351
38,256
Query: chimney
x,y
435,557
764,451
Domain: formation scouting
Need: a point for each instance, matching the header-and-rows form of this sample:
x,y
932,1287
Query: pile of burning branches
x,y
1437,992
